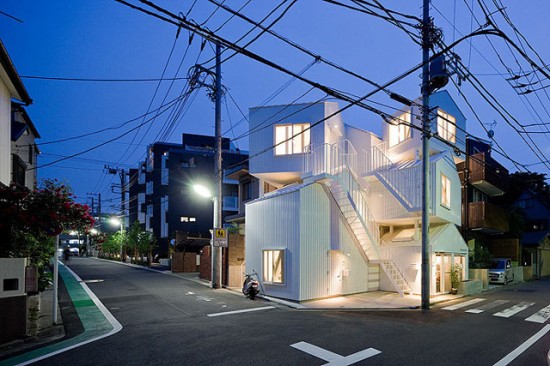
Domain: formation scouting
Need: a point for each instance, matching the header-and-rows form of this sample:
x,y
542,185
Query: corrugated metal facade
x,y
315,242
311,230
274,223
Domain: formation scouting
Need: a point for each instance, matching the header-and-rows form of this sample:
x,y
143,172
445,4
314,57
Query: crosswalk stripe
x,y
488,306
463,304
541,316
506,313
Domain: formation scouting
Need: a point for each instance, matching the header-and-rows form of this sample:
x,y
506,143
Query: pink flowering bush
x,y
30,219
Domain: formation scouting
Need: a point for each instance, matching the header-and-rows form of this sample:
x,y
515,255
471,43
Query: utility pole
x,y
216,93
426,131
217,251
123,188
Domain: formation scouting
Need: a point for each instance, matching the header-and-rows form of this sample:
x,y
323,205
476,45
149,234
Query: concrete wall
x,y
12,277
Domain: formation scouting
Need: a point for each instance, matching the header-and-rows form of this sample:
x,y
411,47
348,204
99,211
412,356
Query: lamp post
x,y
115,221
216,262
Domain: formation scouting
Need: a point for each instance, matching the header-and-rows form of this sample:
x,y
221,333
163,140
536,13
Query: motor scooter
x,y
250,287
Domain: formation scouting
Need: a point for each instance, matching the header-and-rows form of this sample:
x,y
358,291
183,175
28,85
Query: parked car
x,y
501,271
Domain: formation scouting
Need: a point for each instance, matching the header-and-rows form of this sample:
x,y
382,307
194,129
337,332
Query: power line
x,y
58,78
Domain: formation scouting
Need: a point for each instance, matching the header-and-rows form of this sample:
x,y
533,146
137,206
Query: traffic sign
x,y
220,237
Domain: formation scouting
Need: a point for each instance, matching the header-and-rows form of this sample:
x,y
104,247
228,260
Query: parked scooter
x,y
250,287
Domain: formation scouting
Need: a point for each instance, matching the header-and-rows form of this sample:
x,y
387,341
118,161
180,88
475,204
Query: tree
x,y
141,243
30,219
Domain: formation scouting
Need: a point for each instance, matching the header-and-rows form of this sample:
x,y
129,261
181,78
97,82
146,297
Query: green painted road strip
x,y
97,321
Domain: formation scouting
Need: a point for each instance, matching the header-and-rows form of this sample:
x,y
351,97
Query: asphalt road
x,y
166,321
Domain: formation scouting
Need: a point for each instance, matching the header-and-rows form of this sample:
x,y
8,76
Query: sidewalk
x,y
47,332
364,301
96,320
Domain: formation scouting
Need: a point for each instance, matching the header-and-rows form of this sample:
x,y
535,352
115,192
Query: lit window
x,y
446,126
297,136
184,219
445,191
401,130
273,266
192,219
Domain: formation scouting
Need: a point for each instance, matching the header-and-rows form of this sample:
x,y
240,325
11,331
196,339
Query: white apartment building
x,y
339,210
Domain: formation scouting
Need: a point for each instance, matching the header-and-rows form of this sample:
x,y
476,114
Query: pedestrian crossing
x,y
480,305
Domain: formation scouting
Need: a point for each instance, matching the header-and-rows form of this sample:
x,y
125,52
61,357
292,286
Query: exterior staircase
x,y
338,163
351,199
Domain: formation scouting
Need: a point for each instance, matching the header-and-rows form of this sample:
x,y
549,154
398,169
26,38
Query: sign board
x,y
220,237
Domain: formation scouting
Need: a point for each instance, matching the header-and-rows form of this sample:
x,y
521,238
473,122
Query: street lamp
x,y
115,221
216,263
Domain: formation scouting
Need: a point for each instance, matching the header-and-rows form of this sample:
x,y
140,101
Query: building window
x,y
446,126
188,219
247,191
400,129
273,266
445,191
192,219
291,139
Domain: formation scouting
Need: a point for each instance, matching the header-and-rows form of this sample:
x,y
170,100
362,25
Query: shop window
x,y
273,266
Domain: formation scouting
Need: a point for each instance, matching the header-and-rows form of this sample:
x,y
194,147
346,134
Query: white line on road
x,y
488,306
463,304
506,313
524,346
241,311
541,316
335,359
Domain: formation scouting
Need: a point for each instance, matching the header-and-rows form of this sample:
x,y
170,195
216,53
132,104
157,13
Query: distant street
x,y
169,320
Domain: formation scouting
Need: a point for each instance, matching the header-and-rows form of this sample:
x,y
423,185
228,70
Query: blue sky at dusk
x,y
110,41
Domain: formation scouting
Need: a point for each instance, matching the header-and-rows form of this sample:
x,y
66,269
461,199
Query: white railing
x,y
406,184
357,196
330,158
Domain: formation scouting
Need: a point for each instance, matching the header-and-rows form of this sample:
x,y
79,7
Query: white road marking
x,y
241,311
488,306
523,347
541,316
204,298
463,304
335,359
506,313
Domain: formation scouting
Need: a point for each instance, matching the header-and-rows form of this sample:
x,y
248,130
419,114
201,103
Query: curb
x,y
98,322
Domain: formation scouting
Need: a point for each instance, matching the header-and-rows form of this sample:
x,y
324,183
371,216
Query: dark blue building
x,y
162,197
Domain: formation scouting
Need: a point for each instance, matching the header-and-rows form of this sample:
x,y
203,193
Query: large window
x,y
445,191
400,129
446,126
273,266
291,139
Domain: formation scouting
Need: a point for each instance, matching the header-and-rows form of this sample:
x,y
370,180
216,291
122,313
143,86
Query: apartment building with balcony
x,y
339,208
162,197
484,219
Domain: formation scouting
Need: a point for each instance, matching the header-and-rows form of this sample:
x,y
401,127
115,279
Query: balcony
x,y
487,175
230,203
487,218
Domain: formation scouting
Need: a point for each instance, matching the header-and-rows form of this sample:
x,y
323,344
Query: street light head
x,y
114,221
202,191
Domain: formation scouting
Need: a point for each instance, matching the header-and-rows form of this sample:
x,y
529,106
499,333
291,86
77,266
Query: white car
x,y
501,271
